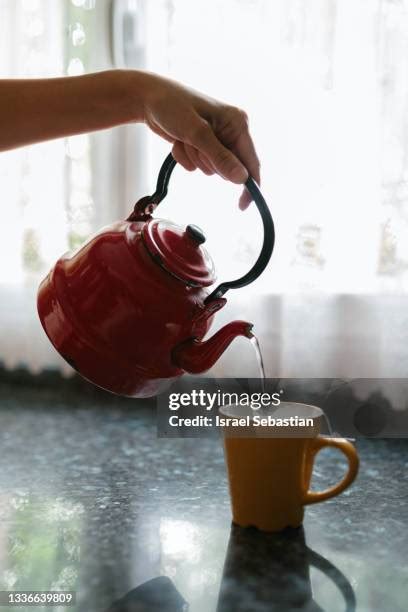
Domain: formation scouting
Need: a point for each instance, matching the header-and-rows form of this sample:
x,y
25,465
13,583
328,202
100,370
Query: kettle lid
x,y
179,251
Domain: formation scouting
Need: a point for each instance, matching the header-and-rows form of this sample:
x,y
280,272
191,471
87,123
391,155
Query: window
x,y
326,88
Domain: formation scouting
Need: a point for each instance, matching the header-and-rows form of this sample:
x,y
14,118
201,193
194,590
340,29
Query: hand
x,y
205,133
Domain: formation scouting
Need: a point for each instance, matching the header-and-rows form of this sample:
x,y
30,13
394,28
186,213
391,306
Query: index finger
x,y
244,149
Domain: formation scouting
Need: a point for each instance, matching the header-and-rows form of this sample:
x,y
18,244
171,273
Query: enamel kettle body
x,y
130,308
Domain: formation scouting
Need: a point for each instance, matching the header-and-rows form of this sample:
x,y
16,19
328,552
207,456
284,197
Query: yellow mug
x,y
270,467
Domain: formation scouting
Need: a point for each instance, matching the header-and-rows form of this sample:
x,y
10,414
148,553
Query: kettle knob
x,y
145,206
196,234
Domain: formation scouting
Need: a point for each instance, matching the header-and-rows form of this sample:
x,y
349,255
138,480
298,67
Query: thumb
x,y
225,163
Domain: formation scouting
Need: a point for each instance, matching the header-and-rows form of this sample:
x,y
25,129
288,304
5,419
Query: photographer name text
x,y
247,421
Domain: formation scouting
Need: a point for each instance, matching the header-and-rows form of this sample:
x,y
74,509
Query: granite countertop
x,y
91,500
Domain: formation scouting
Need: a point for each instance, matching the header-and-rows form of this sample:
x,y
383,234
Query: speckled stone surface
x,y
92,500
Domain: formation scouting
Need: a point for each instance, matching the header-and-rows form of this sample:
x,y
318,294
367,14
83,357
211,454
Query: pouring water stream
x,y
261,367
255,343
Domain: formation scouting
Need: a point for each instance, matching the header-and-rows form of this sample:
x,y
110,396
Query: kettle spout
x,y
195,356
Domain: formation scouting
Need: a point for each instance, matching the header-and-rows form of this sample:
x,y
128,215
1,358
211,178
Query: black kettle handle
x,y
146,206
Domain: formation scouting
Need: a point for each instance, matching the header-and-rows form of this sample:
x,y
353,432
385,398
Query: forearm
x,y
33,110
204,132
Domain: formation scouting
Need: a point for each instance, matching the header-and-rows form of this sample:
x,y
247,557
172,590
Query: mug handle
x,y
336,576
313,497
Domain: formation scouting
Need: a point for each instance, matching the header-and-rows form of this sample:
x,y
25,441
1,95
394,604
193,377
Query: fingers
x,y
191,159
199,160
244,200
231,154
180,155
221,159
245,150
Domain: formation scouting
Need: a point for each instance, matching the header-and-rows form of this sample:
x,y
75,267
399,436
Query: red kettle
x,y
129,309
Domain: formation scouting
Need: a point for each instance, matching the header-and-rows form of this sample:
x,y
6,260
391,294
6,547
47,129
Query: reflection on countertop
x,y
92,501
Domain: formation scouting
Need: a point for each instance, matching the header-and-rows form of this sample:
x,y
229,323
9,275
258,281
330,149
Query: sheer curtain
x,y
46,190
325,84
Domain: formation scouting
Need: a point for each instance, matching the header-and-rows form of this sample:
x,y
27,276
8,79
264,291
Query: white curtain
x,y
46,190
325,84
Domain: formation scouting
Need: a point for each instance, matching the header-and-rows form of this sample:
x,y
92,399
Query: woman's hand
x,y
205,133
